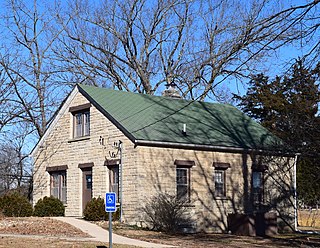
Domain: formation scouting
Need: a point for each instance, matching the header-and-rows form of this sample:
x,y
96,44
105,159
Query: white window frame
x,y
183,182
257,187
81,123
220,182
58,185
220,178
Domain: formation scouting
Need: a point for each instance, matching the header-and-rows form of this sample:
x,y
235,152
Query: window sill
x,y
79,139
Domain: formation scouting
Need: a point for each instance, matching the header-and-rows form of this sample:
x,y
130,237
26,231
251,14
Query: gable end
x,y
106,114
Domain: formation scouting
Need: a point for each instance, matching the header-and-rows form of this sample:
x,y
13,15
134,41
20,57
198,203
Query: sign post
x,y
110,208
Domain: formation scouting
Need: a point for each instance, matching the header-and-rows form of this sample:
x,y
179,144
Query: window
x,y
81,120
81,124
183,178
183,182
58,185
114,180
88,180
114,176
219,183
257,187
220,170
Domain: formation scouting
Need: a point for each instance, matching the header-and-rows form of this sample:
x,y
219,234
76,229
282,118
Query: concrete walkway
x,y
102,235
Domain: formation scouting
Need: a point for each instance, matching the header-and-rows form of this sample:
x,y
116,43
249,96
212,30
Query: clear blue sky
x,y
276,65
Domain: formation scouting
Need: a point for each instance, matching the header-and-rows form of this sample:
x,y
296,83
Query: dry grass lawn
x,y
44,242
44,232
309,218
53,234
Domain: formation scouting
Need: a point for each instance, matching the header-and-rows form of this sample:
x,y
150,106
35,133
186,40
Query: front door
x,y
87,187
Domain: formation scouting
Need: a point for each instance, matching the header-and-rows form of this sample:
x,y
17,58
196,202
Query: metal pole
x,y
120,178
110,230
295,192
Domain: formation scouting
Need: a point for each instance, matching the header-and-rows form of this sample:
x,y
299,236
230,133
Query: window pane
x,y
115,175
257,179
58,186
78,119
81,124
78,125
257,187
86,123
182,176
219,190
182,191
63,179
219,177
63,182
219,183
64,195
54,185
55,180
55,192
89,181
182,181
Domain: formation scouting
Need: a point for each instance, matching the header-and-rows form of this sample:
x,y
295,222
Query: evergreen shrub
x,y
15,205
49,206
95,210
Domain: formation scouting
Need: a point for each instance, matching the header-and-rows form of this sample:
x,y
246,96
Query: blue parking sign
x,y
111,202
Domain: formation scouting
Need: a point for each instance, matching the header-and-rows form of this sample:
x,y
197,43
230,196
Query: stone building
x,y
138,145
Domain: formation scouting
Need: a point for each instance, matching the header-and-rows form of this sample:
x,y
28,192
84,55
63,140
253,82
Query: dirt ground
x,y
21,242
216,240
52,233
39,226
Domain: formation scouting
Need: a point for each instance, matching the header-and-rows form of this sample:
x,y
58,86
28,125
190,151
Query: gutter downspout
x,y
121,178
295,192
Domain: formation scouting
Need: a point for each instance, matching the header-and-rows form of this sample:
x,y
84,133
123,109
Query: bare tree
x,y
121,41
15,167
136,46
141,45
29,85
309,31
5,95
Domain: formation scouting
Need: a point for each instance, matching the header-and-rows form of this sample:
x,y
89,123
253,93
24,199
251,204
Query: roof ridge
x,y
156,96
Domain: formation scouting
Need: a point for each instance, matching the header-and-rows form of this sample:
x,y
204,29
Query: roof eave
x,y
106,114
209,147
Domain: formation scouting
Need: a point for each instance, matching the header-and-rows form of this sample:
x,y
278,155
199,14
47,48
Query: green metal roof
x,y
160,119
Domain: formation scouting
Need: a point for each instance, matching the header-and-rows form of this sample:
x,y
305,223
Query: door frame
x,y
86,198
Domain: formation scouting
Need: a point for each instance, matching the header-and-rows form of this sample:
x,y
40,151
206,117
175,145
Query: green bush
x,y
49,206
95,210
15,205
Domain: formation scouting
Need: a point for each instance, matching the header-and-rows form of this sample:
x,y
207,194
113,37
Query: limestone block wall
x,y
157,173
59,148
